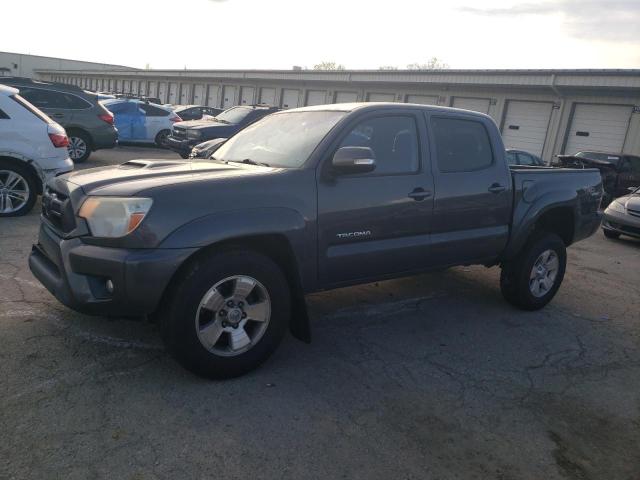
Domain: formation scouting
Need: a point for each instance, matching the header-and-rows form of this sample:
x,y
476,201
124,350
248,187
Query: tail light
x,y
175,118
57,135
106,117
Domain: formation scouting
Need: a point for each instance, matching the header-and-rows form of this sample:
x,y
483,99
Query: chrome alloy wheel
x,y
543,274
14,191
77,148
233,315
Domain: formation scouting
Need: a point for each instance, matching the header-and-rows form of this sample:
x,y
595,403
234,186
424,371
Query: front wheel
x,y
227,314
533,278
610,234
18,189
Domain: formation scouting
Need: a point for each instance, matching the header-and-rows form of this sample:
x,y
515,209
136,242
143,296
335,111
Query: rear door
x,y
472,204
155,120
374,224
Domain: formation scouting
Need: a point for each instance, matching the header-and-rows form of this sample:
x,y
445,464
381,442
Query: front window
x,y
234,115
280,140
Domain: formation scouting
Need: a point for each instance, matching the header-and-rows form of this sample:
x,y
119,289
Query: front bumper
x,y
182,146
623,223
76,274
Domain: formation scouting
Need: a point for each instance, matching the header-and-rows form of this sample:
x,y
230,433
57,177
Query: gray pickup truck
x,y
222,251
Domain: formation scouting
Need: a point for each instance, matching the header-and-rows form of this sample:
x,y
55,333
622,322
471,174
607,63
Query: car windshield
x,y
234,115
280,140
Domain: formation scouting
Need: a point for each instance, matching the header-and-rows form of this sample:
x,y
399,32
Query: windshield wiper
x,y
248,161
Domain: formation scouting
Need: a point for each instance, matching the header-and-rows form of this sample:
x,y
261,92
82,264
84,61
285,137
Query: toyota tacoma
x,y
222,251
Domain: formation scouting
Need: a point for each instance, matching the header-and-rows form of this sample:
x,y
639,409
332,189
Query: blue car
x,y
141,122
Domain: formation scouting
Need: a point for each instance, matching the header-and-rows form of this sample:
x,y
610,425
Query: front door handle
x,y
497,188
56,115
419,194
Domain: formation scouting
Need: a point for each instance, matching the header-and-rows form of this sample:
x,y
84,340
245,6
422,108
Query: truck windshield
x,y
280,140
234,115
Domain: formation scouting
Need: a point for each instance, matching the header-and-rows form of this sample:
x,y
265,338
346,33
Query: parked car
x,y
622,216
188,134
619,171
33,149
142,122
195,112
520,157
87,123
206,149
222,251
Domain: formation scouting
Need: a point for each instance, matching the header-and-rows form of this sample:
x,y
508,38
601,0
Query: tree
x,y
434,63
328,66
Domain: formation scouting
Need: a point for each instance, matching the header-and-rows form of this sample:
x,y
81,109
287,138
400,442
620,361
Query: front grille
x,y
57,209
625,228
179,133
635,213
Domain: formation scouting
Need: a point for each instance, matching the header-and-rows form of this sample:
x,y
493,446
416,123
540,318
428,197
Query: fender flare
x,y
7,154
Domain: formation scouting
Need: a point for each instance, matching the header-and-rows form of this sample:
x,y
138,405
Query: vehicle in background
x,y
142,98
33,149
619,171
520,157
622,216
188,134
222,251
142,122
195,112
206,149
88,124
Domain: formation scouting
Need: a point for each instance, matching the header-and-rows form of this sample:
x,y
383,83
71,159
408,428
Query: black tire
x,y
161,138
178,314
32,182
610,234
184,155
515,275
79,146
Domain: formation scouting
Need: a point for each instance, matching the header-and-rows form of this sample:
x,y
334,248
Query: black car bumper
x,y
623,223
77,273
182,146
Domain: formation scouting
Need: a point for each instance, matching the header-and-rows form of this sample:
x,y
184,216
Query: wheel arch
x,y
28,163
84,131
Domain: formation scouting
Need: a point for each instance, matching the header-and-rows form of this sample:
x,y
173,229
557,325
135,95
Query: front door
x,y
378,223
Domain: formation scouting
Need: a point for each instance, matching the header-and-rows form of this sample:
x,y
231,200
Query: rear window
x,y
461,145
51,99
32,108
152,111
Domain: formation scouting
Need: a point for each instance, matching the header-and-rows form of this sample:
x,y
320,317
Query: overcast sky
x,y
357,33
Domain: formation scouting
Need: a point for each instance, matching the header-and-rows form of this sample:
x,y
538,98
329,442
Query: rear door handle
x,y
497,188
419,194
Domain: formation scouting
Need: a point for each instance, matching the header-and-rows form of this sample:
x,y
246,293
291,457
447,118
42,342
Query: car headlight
x,y
112,216
616,206
193,134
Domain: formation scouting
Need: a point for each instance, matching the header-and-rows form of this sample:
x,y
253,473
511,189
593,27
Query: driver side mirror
x,y
350,160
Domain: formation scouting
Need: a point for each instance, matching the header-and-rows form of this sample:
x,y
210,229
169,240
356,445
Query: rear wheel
x,y
227,314
79,146
610,233
533,278
161,138
18,189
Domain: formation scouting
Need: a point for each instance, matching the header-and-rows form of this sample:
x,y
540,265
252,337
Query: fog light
x,y
109,286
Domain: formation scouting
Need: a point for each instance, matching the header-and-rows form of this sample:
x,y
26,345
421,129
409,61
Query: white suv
x,y
33,148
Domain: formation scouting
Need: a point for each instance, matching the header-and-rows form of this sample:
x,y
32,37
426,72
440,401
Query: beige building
x,y
545,112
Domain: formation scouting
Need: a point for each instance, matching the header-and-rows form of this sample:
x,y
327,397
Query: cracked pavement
x,y
427,377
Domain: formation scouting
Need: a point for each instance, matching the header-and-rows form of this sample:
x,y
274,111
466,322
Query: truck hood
x,y
136,175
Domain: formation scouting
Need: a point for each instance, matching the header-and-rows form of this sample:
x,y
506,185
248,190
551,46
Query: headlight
x,y
616,206
112,216
193,134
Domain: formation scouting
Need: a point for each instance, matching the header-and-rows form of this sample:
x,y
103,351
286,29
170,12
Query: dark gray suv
x,y
88,123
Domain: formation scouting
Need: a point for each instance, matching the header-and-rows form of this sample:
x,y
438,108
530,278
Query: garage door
x,y
290,98
198,94
246,95
473,104
228,96
525,126
598,127
162,92
316,97
173,93
212,96
423,99
268,96
346,97
381,97
185,94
